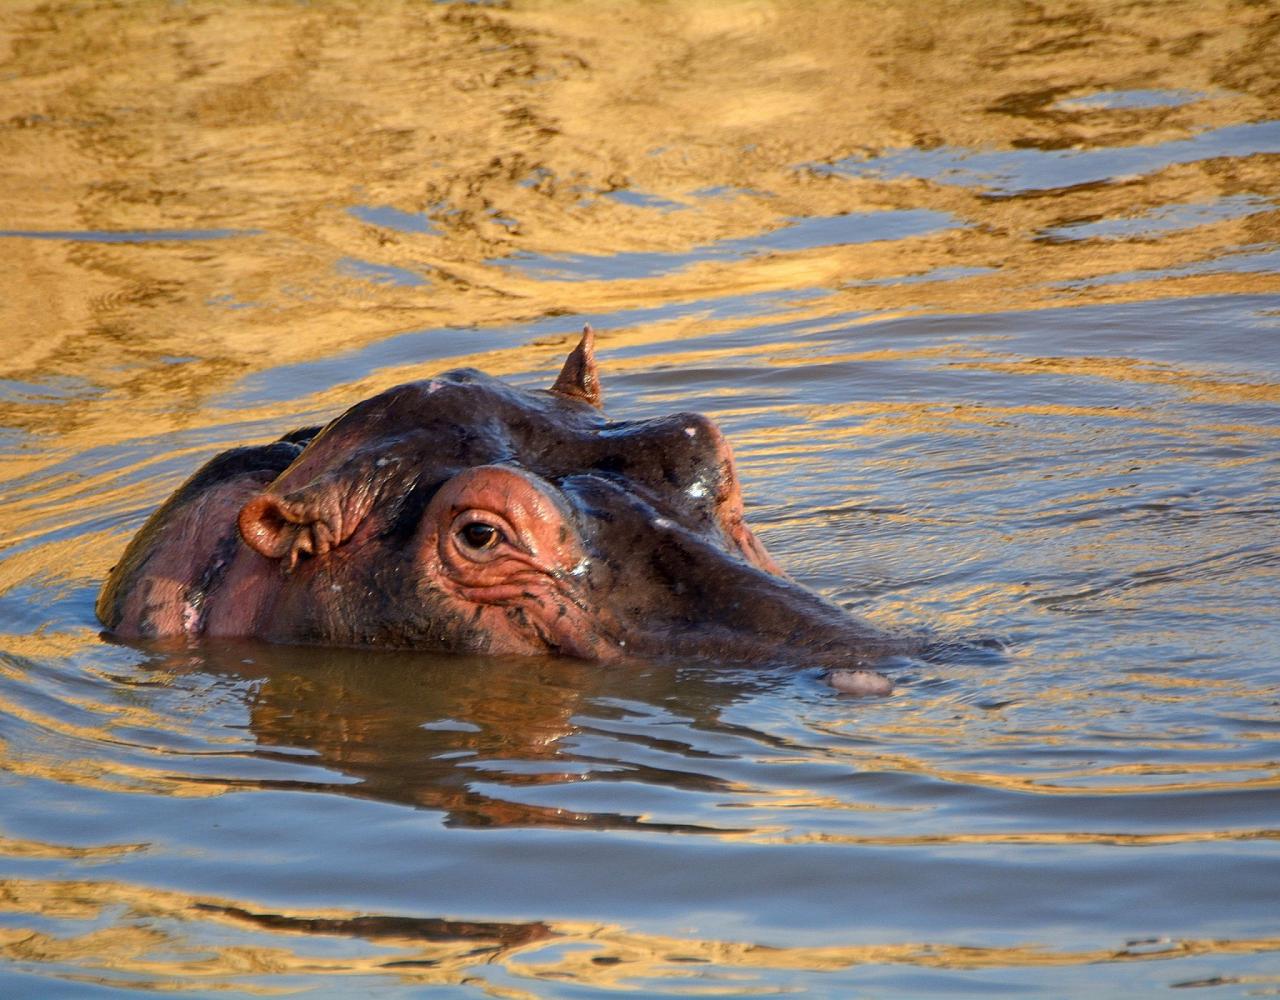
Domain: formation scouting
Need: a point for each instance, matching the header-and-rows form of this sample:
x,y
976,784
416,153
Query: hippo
x,y
462,514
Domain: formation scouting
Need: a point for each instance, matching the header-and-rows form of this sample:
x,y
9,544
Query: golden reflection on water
x,y
1141,372
298,183
156,942
16,848
495,132
1067,782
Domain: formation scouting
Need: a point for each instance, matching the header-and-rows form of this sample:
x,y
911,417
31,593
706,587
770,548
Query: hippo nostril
x,y
860,682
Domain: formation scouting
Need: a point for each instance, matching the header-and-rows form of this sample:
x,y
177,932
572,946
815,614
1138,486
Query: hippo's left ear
x,y
579,378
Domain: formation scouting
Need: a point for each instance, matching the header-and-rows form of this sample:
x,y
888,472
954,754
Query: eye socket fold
x,y
479,535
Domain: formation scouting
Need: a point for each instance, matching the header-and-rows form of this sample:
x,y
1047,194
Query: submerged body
x,y
462,514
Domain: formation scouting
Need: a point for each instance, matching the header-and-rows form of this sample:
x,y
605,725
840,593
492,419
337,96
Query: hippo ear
x,y
275,528
579,378
309,521
323,514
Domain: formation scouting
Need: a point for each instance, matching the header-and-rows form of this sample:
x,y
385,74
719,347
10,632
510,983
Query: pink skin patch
x,y
860,683
166,604
530,565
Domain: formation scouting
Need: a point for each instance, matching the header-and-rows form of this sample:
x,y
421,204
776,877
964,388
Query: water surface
x,y
987,301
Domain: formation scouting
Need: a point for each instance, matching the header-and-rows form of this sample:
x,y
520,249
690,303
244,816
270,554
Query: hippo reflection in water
x,y
462,514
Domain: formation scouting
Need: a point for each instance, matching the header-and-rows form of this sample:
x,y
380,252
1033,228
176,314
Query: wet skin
x,y
464,515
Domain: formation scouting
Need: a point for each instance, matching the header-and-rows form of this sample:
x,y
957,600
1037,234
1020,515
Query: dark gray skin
x,y
462,514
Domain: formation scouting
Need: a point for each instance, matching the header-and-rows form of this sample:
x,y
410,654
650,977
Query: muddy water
x,y
987,299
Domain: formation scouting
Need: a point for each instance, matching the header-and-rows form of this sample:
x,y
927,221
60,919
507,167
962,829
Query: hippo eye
x,y
479,536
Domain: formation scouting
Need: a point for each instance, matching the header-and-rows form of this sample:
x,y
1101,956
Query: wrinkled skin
x,y
461,514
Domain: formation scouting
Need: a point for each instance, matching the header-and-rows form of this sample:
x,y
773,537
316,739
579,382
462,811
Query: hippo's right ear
x,y
269,528
308,522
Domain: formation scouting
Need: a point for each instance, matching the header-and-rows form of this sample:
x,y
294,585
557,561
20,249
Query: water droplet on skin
x,y
691,431
661,522
581,568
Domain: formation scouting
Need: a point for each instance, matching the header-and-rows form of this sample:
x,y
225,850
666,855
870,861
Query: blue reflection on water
x,y
1116,100
54,389
447,343
393,218
937,274
1166,218
641,200
798,234
1252,259
1011,172
379,274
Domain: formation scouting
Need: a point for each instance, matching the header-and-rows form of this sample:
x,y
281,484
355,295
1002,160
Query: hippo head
x,y
463,514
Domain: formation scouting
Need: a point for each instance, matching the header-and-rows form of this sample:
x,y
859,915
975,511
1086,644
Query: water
x,y
987,302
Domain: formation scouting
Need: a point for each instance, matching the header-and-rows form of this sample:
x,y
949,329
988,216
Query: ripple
x,y
985,303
